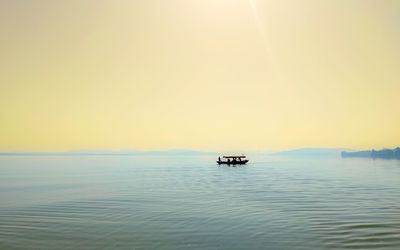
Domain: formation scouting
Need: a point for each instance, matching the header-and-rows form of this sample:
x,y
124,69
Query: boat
x,y
233,160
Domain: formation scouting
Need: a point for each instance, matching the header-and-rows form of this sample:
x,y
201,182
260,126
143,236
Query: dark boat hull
x,y
243,162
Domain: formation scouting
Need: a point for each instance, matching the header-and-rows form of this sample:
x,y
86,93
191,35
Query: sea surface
x,y
189,202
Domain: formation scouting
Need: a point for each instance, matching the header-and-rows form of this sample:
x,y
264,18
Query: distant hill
x,y
305,152
384,153
174,152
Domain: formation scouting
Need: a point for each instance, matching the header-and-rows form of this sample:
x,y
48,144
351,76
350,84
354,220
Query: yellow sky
x,y
200,74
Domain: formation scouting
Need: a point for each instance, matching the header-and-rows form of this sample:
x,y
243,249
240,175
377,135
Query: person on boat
x,y
234,160
219,158
229,160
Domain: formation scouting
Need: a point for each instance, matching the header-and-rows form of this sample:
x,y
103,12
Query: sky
x,y
199,74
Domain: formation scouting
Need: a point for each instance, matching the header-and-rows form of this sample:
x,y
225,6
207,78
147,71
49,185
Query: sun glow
x,y
191,74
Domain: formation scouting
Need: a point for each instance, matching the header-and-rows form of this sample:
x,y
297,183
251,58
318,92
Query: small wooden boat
x,y
233,160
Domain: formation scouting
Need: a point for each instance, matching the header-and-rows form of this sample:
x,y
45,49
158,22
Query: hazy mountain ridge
x,y
383,153
303,152
181,152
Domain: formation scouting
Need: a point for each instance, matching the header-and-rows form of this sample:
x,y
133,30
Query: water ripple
x,y
114,203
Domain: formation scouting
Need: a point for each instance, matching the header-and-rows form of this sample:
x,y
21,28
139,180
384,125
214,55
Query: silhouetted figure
x,y
232,159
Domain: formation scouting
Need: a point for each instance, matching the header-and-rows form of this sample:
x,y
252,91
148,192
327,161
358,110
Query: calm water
x,y
121,202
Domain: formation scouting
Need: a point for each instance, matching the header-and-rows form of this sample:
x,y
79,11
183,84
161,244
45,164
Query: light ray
x,y
266,42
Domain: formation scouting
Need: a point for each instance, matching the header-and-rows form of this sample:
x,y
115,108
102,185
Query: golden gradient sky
x,y
200,74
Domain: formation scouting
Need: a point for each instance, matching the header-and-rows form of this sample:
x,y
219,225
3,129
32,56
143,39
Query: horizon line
x,y
171,151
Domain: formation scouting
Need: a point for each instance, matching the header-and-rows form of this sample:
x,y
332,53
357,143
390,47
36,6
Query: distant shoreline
x,y
302,152
108,153
384,153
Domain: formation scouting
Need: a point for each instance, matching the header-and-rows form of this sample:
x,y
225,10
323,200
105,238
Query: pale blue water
x,y
123,202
